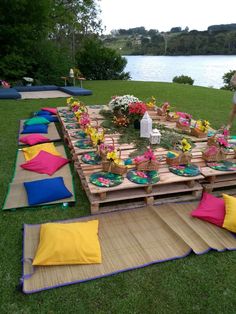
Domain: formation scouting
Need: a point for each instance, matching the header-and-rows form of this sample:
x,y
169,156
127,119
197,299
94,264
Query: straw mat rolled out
x,y
17,197
129,239
52,134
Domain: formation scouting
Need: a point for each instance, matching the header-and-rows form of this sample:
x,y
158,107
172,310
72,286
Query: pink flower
x,y
75,108
104,181
139,159
223,142
87,156
149,155
141,174
84,119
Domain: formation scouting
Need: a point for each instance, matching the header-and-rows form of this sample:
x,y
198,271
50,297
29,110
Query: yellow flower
x,y
185,145
112,155
96,137
68,100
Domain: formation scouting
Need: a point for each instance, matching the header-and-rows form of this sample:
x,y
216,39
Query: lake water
x,y
204,70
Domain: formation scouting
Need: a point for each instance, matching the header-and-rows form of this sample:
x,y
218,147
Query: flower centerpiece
x,y
184,121
84,120
151,103
200,128
181,153
119,105
147,161
136,111
162,110
76,106
114,163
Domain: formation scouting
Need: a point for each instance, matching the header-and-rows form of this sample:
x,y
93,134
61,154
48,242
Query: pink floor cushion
x,y
51,110
45,163
211,209
33,139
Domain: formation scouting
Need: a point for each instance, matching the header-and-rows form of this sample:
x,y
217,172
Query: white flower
x,y
121,103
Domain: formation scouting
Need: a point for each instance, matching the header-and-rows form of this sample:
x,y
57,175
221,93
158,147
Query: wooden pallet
x,y
170,188
218,180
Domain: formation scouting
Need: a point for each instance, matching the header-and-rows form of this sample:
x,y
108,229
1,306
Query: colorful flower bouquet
x,y
75,104
147,161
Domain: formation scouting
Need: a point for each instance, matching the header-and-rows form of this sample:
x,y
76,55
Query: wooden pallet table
x,y
170,187
218,181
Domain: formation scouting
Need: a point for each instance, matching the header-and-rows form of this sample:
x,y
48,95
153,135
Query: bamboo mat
x,y
129,239
17,197
52,134
44,94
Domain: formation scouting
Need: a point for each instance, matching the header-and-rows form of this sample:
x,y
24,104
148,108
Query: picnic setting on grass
x,y
149,172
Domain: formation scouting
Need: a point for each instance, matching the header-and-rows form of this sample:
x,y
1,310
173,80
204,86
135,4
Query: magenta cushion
x,y
45,162
211,209
33,139
51,110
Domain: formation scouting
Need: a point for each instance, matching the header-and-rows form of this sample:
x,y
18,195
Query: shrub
x,y
226,78
183,79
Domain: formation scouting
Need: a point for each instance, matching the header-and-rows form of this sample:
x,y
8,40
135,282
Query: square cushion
x,y
43,113
51,110
35,128
36,120
46,190
45,162
211,209
31,152
33,139
68,243
51,118
230,213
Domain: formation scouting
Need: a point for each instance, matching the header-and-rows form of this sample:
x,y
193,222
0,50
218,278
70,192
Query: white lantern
x,y
155,136
71,73
145,126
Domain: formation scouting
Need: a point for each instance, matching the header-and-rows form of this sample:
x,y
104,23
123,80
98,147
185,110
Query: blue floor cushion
x,y
52,189
9,93
75,91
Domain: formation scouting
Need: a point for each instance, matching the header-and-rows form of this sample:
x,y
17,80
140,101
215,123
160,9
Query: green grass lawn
x,y
195,284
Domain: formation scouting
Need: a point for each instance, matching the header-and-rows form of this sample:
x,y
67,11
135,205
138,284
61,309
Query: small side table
x,y
81,79
65,78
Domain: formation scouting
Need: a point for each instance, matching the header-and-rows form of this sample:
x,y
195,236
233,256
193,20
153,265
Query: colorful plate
x,y
222,165
143,177
189,170
79,134
83,144
72,126
105,179
91,158
69,120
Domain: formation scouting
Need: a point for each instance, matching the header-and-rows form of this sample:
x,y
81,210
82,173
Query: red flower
x,y
137,108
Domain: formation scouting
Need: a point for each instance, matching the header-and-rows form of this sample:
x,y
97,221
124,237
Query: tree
x,y
226,78
97,62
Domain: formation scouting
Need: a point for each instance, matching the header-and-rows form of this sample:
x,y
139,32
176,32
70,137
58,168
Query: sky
x,y
163,15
